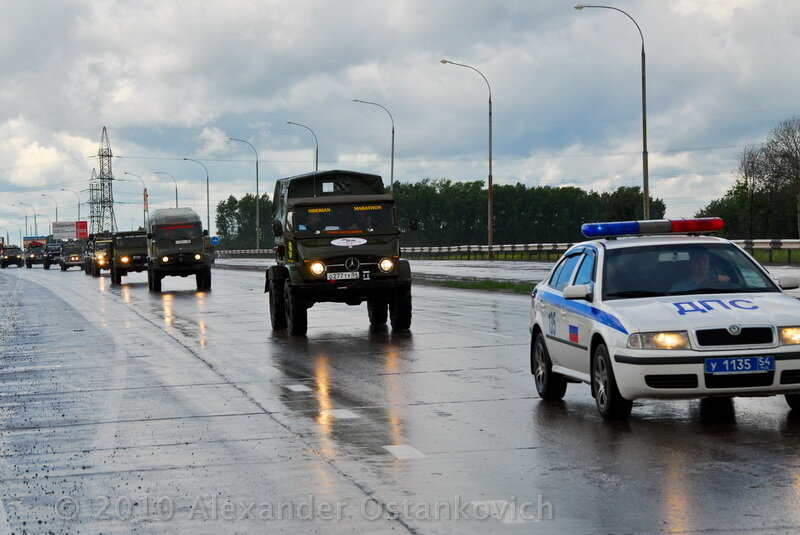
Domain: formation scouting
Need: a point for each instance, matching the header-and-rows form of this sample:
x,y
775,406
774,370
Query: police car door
x,y
577,319
555,311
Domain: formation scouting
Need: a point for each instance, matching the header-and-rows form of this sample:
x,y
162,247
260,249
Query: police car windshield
x,y
681,269
344,219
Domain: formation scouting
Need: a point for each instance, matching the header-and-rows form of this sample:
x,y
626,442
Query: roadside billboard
x,y
70,230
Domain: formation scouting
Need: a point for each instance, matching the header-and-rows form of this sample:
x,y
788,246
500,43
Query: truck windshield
x,y
179,231
681,269
344,218
72,249
101,246
131,241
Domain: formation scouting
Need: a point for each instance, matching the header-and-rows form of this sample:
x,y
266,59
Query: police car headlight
x,y
386,265
666,340
317,268
790,336
124,259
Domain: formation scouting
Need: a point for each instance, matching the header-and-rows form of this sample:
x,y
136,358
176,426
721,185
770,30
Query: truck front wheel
x,y
400,308
153,280
296,311
203,279
277,306
378,310
116,276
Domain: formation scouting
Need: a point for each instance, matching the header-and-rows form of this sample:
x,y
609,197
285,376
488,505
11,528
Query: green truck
x,y
177,247
128,253
336,240
98,252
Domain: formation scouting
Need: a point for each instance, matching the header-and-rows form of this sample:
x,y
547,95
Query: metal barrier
x,y
526,251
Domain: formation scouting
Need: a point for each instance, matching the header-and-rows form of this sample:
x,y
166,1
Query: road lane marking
x,y
341,414
404,451
298,388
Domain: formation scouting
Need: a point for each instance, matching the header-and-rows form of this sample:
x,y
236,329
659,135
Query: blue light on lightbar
x,y
621,228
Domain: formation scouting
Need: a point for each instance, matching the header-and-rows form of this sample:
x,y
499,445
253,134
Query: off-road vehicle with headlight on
x,y
34,254
12,256
336,240
52,252
128,253
98,254
71,255
177,248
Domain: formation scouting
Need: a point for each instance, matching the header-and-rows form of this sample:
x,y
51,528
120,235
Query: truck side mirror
x,y
277,228
205,232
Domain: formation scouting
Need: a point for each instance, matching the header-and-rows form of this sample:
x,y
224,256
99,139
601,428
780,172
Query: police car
x,y
660,309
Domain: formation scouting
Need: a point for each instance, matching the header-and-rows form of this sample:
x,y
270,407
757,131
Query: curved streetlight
x,y
49,223
645,170
77,196
173,179
144,199
490,189
35,225
208,194
8,239
391,174
316,143
258,220
26,216
55,201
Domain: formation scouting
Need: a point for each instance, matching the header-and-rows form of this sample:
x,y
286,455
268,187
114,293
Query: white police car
x,y
656,309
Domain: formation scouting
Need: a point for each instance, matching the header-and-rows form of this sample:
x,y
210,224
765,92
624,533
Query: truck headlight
x,y
317,268
386,265
198,256
790,336
165,259
100,261
665,340
124,259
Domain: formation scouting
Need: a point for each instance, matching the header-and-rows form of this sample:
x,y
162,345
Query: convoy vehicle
x,y
34,254
177,247
336,240
12,256
129,253
98,251
71,255
52,252
656,309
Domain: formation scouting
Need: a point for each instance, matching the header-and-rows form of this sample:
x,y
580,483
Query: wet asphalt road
x,y
125,411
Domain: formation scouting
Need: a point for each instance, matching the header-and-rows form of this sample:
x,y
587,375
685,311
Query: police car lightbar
x,y
655,226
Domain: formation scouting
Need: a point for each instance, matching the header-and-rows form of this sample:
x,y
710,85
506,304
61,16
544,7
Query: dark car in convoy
x,y
34,254
128,253
52,252
177,247
71,255
336,240
12,256
96,258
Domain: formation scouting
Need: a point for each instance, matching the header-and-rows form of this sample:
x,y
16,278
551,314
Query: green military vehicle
x,y
128,253
71,255
177,247
98,252
336,240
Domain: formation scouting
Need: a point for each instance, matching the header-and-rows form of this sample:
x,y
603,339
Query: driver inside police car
x,y
700,273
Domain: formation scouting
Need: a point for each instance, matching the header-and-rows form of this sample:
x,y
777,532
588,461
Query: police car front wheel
x,y
610,403
549,385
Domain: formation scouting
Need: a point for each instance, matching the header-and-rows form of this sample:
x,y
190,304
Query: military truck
x,y
52,252
176,247
71,255
98,252
12,256
336,240
34,254
128,253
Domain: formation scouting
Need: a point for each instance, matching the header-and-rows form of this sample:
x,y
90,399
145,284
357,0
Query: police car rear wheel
x,y
549,385
610,403
793,400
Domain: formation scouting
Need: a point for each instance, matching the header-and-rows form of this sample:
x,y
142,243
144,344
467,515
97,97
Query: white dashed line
x,y
298,388
404,451
341,414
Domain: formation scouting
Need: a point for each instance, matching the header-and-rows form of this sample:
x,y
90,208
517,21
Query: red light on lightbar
x,y
703,224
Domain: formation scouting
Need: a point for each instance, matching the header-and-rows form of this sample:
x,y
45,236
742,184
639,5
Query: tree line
x,y
435,212
764,202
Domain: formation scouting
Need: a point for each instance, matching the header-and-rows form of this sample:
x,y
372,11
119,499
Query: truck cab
x,y
52,252
176,245
336,240
98,253
129,253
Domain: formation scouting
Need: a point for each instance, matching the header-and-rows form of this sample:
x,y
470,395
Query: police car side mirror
x,y
788,282
578,291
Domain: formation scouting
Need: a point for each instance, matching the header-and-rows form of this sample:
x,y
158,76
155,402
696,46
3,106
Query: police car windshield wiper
x,y
635,293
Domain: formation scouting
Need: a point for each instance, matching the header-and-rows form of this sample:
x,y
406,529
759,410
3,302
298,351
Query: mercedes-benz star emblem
x,y
352,263
734,329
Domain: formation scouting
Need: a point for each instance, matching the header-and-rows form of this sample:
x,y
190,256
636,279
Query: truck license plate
x,y
735,365
343,275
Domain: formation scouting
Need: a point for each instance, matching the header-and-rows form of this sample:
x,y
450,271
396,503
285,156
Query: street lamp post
x,y
26,216
208,194
173,179
8,239
391,173
490,189
645,170
258,201
144,202
55,201
77,196
316,144
35,225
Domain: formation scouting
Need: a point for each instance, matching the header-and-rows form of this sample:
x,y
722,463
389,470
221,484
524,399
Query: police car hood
x,y
688,312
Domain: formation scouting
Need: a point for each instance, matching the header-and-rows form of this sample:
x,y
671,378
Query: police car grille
x,y
682,380
721,337
790,377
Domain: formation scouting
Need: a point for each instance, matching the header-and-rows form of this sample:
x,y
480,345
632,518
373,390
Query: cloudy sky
x,y
173,79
